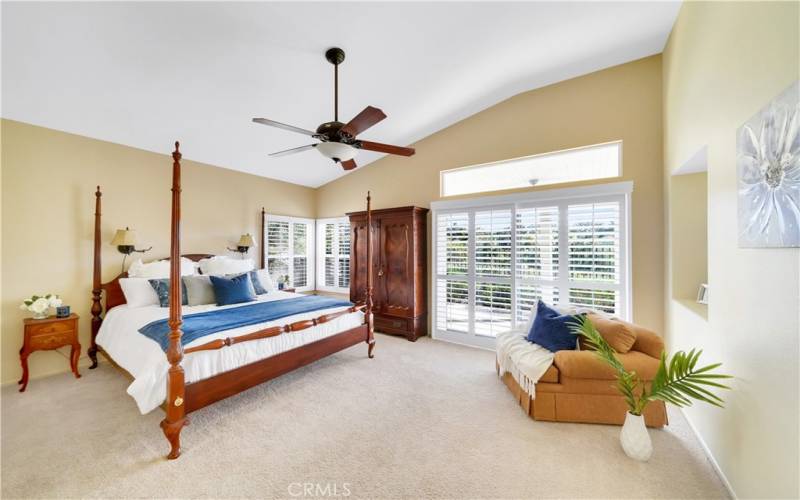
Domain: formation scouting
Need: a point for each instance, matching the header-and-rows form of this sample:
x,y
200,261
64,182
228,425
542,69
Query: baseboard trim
x,y
710,456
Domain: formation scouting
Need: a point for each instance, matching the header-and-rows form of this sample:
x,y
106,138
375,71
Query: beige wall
x,y
689,234
723,62
623,102
48,181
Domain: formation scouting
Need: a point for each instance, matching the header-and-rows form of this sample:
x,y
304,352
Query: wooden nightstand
x,y
46,335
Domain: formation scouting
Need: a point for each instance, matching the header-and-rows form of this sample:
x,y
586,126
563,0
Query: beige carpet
x,y
424,419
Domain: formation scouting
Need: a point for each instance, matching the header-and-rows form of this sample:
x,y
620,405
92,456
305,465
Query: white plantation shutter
x,y
334,254
452,305
537,258
278,237
343,233
330,255
594,255
494,263
452,240
300,244
277,248
288,243
493,267
452,284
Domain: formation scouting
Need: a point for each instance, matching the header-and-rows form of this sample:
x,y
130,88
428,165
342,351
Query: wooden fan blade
x,y
368,117
349,165
290,128
293,150
385,148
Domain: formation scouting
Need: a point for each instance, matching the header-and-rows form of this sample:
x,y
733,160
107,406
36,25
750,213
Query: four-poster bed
x,y
182,397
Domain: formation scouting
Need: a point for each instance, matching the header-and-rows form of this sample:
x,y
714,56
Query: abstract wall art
x,y
768,165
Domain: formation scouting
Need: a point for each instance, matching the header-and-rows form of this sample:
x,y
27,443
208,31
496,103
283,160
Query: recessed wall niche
x,y
689,231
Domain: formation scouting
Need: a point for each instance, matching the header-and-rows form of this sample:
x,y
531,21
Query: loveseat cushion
x,y
587,365
620,335
647,341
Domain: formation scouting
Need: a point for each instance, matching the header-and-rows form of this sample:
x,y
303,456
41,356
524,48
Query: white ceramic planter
x,y
635,439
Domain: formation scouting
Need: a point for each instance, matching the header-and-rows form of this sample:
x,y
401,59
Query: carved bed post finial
x,y
97,308
263,228
176,411
368,298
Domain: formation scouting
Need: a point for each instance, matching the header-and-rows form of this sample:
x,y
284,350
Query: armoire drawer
x,y
392,325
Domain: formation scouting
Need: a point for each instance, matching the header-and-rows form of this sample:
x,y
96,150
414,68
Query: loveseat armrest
x,y
648,342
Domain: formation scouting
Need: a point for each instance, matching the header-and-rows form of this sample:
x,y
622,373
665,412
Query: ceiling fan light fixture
x,y
337,151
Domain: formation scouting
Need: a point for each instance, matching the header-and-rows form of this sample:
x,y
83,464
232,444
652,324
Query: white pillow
x,y
159,269
266,280
220,265
138,292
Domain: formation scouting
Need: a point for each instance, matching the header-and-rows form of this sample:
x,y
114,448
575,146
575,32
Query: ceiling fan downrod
x,y
335,56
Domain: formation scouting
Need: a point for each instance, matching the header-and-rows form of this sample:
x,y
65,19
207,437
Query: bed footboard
x,y
205,392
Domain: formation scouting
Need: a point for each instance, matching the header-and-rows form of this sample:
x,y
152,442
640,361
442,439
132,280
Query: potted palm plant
x,y
677,381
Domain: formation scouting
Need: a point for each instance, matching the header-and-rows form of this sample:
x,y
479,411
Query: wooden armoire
x,y
399,262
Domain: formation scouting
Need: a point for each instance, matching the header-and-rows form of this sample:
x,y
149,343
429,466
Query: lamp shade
x,y
246,241
124,237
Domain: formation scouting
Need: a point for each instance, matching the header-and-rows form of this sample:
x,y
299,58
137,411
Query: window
x,y
495,257
580,164
333,255
288,250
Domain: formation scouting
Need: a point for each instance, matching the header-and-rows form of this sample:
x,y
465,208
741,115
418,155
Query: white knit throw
x,y
524,360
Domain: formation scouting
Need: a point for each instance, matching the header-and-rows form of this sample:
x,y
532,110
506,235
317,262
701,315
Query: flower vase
x,y
635,439
41,315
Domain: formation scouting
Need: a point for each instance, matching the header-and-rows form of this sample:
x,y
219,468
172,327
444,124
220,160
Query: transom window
x,y
495,257
591,162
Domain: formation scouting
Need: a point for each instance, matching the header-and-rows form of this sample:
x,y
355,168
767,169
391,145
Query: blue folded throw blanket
x,y
201,324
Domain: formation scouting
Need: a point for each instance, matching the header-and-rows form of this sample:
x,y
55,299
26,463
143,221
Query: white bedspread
x,y
524,360
143,358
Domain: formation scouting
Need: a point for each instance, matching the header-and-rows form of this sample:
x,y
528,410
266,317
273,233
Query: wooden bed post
x,y
176,414
96,290
368,298
263,250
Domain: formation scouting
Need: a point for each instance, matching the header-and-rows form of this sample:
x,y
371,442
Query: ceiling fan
x,y
339,141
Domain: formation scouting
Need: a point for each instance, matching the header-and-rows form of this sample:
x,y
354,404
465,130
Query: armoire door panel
x,y
396,266
358,261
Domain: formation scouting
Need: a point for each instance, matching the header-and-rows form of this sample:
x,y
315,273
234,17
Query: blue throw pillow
x,y
551,329
257,283
257,288
162,290
233,290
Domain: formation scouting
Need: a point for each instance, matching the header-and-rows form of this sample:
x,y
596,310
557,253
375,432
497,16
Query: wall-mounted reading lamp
x,y
244,244
125,241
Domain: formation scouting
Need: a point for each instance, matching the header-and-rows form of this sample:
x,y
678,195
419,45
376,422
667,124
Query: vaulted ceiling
x,y
144,74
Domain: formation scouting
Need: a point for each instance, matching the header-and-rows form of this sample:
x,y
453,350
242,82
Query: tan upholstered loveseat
x,y
579,387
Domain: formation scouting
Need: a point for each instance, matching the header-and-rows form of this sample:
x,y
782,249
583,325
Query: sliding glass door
x,y
494,262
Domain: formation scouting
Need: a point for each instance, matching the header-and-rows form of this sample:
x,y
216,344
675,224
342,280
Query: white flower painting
x,y
768,162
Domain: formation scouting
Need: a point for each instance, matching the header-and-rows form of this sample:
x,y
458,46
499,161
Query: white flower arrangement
x,y
40,304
